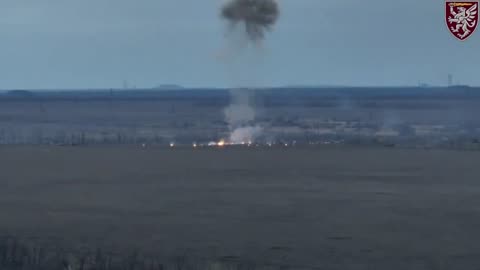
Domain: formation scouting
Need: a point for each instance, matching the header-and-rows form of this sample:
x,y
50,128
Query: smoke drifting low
x,y
257,15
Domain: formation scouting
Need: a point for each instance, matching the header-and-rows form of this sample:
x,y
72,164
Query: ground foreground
x,y
334,207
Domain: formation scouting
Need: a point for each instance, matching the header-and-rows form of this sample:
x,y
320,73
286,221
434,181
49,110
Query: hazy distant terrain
x,y
340,178
429,115
329,207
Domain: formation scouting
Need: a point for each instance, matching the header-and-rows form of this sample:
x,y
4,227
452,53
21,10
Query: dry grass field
x,y
328,207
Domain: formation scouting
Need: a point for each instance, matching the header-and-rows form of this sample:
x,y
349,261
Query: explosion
x,y
257,15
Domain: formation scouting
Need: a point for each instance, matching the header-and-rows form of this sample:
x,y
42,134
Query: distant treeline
x,y
220,94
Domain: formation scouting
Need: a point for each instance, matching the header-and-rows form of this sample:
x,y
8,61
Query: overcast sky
x,y
101,43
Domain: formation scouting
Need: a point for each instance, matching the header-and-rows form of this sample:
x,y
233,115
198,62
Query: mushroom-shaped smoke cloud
x,y
257,15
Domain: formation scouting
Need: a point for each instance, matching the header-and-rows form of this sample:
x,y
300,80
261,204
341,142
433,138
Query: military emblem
x,y
462,18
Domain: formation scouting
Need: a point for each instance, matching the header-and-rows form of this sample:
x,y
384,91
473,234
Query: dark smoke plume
x,y
257,15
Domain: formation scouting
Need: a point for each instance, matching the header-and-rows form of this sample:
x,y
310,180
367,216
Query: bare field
x,y
334,207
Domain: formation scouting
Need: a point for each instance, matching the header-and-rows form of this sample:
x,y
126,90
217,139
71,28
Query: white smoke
x,y
240,111
244,135
240,115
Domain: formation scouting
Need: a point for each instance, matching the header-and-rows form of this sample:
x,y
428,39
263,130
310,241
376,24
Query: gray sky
x,y
100,43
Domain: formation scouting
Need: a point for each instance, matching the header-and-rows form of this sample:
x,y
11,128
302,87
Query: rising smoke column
x,y
257,17
240,115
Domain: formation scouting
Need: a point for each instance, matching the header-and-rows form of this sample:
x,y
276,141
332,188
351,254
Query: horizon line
x,y
182,88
